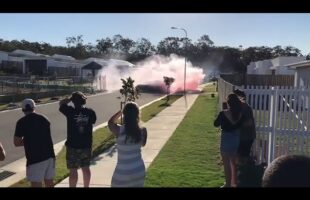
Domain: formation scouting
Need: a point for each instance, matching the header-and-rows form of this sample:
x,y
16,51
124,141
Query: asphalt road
x,y
105,105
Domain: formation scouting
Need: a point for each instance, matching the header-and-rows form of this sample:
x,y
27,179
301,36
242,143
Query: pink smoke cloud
x,y
152,70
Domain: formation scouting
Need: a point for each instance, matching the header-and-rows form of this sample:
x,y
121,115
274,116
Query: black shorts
x,y
245,147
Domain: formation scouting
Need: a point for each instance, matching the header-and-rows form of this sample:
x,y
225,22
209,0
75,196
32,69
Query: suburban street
x,y
105,105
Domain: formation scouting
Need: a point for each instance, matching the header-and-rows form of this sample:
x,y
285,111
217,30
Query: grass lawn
x,y
3,106
210,87
151,111
102,140
190,158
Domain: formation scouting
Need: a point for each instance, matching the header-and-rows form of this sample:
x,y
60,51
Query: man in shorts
x,y
80,122
33,132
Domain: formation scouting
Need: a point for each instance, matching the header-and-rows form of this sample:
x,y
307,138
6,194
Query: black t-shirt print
x,y
79,126
36,133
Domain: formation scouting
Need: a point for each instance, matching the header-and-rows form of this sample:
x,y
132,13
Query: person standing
x,y
130,168
230,121
247,130
80,122
33,132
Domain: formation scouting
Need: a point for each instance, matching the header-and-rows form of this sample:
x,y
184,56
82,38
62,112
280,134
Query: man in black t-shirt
x,y
80,122
34,133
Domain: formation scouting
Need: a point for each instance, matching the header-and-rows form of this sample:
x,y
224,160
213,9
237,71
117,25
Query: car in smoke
x,y
152,87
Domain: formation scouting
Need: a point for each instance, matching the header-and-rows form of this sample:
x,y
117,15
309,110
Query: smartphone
x,y
224,106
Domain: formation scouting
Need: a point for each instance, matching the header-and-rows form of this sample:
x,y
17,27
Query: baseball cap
x,y
28,104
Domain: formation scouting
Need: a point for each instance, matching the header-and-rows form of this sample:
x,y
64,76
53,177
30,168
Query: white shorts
x,y
44,170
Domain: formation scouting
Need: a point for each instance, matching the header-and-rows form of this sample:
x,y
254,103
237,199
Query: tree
x,y
104,46
76,48
168,82
143,49
202,49
253,54
170,45
205,40
128,90
122,45
286,51
292,51
75,41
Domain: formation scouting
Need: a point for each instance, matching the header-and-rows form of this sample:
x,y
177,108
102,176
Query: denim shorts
x,y
230,141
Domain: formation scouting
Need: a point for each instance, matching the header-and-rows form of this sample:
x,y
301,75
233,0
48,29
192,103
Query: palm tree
x,y
129,91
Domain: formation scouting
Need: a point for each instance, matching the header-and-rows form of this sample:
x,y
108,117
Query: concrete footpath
x,y
160,128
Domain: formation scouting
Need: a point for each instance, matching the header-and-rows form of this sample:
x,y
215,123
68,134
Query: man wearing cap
x,y
33,132
80,122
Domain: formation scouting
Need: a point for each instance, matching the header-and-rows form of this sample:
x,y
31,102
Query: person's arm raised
x,y
113,126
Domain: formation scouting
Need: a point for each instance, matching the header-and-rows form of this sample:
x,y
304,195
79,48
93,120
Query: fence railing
x,y
10,85
224,88
259,79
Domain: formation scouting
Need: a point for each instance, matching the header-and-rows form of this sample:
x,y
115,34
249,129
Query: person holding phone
x,y
230,120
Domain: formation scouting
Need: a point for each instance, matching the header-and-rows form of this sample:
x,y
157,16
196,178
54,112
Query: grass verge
x,y
191,156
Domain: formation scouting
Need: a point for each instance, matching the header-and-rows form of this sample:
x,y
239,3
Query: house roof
x,y
97,60
63,57
92,65
23,52
305,63
120,62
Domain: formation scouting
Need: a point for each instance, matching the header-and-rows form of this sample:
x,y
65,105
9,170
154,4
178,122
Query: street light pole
x,y
184,56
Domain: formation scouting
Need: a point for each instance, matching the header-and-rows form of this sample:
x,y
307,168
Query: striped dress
x,y
130,169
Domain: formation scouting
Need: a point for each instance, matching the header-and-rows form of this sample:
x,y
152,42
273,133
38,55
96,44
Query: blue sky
x,y
224,29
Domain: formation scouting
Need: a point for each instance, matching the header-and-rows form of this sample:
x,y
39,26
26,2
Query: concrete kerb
x,y
18,166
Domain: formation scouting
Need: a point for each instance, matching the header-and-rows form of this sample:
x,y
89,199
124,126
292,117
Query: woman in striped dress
x,y
130,169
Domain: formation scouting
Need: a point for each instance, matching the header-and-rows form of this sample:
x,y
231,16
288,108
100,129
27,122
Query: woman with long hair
x,y
230,121
130,168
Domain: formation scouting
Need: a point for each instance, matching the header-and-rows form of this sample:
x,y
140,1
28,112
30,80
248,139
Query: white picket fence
x,y
282,118
224,89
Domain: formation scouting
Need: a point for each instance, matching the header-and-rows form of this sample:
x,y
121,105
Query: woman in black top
x,y
230,121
